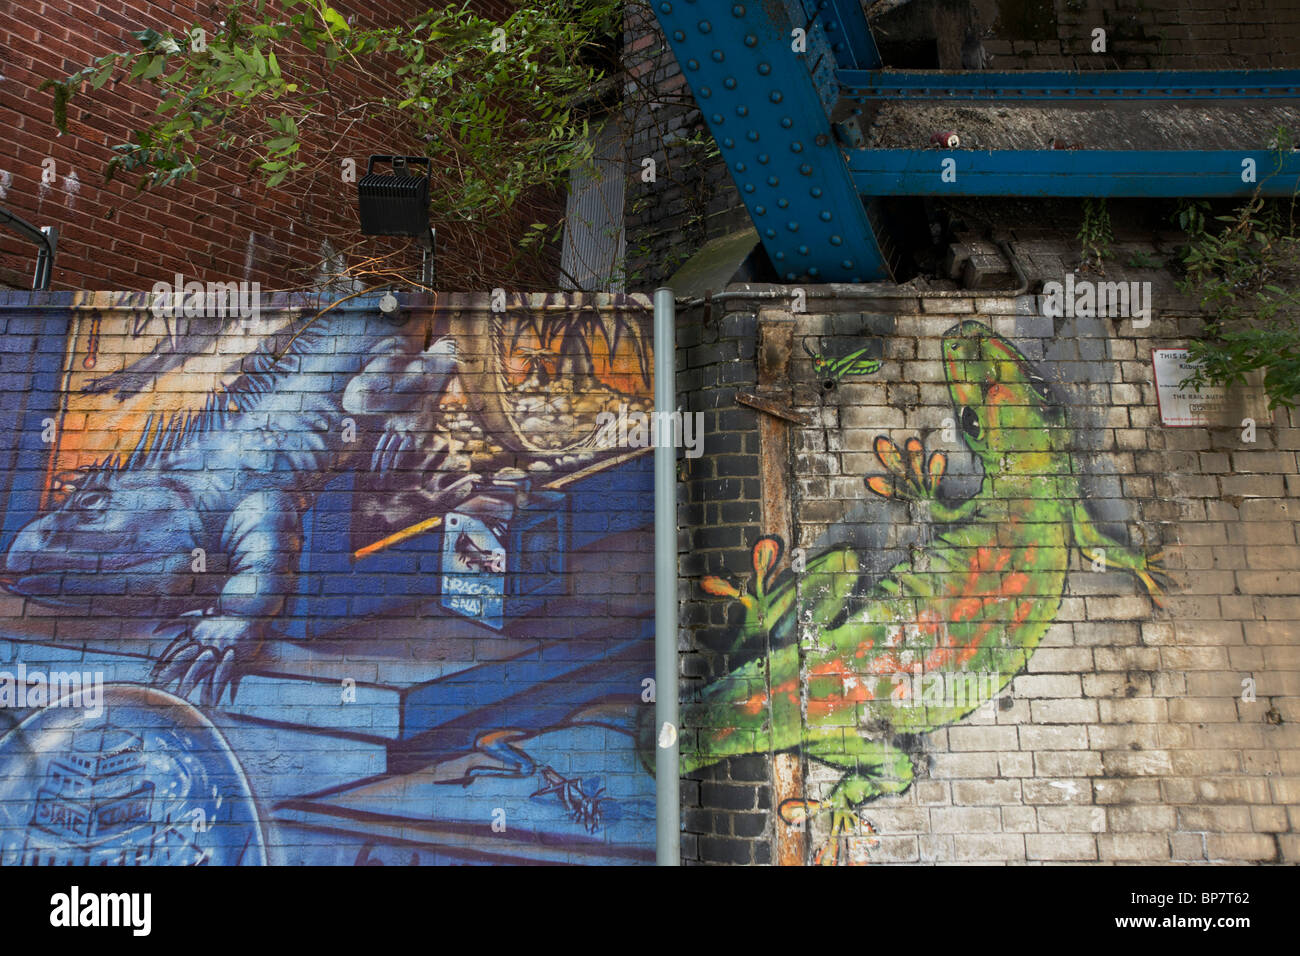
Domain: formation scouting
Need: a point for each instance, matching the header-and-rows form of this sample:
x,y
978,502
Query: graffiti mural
x,y
859,666
830,371
377,563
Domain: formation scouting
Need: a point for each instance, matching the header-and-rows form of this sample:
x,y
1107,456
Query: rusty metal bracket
x,y
775,409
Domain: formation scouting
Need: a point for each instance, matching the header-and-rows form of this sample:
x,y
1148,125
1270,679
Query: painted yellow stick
x,y
398,536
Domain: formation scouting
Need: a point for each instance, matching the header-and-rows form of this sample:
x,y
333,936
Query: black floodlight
x,y
397,204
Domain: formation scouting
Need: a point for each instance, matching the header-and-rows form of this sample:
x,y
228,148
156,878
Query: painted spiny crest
x,y
161,436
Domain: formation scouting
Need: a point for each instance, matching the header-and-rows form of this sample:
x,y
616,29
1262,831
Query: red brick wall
x,y
223,225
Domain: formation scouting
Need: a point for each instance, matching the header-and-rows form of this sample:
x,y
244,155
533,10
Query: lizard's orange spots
x,y
1023,610
1015,583
998,393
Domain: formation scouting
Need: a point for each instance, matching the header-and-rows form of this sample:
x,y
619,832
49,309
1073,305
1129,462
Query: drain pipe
x,y
667,787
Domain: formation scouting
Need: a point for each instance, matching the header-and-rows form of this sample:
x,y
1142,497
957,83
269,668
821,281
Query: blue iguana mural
x,y
233,480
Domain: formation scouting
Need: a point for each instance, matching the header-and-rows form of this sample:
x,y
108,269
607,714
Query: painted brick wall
x,y
1147,724
358,588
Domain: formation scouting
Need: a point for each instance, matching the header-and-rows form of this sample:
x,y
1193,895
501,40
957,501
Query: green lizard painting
x,y
977,599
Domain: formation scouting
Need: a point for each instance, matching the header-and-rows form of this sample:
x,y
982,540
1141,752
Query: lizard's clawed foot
x,y
392,450
845,823
911,475
200,663
1154,578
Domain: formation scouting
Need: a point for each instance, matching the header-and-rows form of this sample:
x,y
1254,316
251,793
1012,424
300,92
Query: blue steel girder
x,y
768,106
862,86
1074,172
847,33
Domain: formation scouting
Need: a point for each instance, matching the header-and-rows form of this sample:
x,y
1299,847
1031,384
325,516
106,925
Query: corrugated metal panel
x,y
595,241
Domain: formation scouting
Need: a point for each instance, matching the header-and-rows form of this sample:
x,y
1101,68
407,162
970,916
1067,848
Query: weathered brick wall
x,y
725,808
1154,34
347,587
1135,731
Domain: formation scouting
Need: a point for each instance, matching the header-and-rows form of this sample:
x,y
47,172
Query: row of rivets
x,y
730,83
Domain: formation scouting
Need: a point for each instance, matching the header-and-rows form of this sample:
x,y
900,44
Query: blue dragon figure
x,y
233,479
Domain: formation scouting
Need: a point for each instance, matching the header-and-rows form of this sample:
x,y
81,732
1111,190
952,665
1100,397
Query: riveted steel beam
x,y
1074,172
1144,85
847,33
768,105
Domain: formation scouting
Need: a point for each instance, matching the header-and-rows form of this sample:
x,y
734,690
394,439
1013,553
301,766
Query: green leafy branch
x,y
495,103
1246,272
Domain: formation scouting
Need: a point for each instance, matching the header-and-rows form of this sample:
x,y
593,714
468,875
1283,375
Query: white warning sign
x,y
1184,406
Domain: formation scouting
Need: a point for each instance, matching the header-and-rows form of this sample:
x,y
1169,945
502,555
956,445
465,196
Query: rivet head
x,y
679,36
847,263
742,110
705,92
751,40
717,56
792,276
783,203
705,26
786,122
752,136
738,10
814,271
775,96
837,241
729,142
822,139
764,158
796,147
760,210
739,167
773,181
792,226
692,64
764,69
717,119
815,192
805,169
803,250
826,215
749,187
770,233
665,8
730,83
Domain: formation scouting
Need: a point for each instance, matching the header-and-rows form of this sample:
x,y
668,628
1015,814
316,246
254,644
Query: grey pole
x,y
667,789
